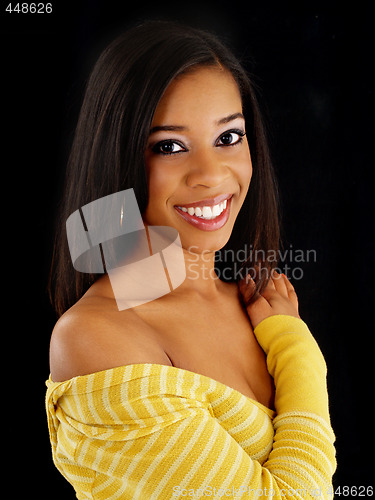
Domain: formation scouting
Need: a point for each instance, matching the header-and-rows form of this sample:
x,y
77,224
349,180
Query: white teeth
x,y
206,212
216,210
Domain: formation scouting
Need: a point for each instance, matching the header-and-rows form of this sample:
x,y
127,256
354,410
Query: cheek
x,y
161,185
156,180
155,183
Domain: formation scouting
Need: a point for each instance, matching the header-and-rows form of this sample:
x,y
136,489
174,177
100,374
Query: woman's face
x,y
198,160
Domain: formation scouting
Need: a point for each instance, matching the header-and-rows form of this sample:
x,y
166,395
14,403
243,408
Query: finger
x,y
279,284
291,291
269,290
246,283
257,307
247,288
256,297
270,284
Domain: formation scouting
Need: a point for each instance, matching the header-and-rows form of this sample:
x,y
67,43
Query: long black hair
x,y
107,154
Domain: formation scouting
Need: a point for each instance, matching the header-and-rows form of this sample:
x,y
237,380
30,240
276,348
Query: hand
x,y
279,297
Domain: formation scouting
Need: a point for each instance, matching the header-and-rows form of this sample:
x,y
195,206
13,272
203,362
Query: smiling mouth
x,y
207,215
205,212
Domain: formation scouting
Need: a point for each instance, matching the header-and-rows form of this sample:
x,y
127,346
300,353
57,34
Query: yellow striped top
x,y
150,431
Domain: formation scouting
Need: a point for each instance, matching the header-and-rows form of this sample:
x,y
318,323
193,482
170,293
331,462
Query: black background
x,y
312,63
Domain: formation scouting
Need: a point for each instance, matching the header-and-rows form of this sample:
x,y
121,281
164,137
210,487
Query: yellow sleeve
x,y
303,442
124,443
296,363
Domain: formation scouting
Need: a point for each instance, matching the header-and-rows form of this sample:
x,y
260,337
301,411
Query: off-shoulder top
x,y
151,431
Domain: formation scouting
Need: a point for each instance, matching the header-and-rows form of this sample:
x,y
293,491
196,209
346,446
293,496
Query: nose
x,y
207,169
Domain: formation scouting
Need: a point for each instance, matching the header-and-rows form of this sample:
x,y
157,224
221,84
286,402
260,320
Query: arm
x,y
297,365
293,357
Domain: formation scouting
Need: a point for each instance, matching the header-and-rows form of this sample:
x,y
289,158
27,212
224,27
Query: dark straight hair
x,y
107,154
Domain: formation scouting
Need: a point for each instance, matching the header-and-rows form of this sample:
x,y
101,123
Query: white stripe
x,y
219,462
117,493
105,397
313,450
111,468
91,406
228,391
144,393
183,454
297,484
66,406
163,379
234,469
198,464
80,458
180,385
245,423
159,419
323,482
263,453
99,455
77,401
309,419
212,387
136,462
78,478
118,456
68,440
257,436
171,442
196,385
164,390
237,408
127,405
61,450
301,421
94,414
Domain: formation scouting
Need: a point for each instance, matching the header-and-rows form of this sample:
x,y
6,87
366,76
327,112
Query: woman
x,y
212,389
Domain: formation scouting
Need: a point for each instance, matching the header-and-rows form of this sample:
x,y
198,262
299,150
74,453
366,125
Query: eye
x,y
230,138
167,147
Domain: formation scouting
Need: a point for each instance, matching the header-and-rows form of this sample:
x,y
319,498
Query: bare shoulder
x,y
93,336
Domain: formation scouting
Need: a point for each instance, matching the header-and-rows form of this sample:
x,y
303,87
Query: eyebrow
x,y
168,128
180,128
230,118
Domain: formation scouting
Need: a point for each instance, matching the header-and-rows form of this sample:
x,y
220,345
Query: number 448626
x,y
29,8
352,491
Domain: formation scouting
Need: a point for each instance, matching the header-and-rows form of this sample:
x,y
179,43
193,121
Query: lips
x,y
209,214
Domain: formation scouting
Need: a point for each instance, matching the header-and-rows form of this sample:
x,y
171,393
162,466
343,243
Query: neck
x,y
201,278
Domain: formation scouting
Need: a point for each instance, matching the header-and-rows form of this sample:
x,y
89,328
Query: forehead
x,y
205,93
